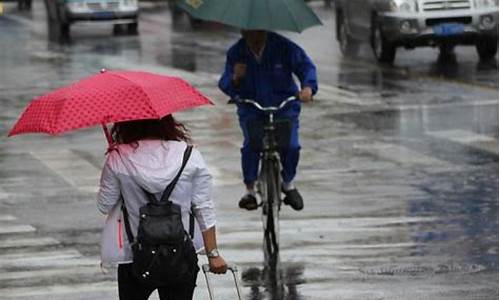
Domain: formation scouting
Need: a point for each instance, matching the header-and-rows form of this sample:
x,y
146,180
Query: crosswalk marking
x,y
49,272
336,94
485,102
470,138
72,168
401,154
52,290
7,218
6,229
50,262
28,242
39,255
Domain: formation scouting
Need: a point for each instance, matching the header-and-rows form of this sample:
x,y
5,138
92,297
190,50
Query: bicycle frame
x,y
269,183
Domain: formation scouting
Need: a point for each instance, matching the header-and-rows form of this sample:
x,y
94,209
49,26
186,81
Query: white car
x,y
62,13
388,24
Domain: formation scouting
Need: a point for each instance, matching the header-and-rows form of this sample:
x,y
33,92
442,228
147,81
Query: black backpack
x,y
163,252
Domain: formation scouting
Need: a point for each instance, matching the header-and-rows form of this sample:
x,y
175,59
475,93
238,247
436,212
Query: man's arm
x,y
233,74
304,68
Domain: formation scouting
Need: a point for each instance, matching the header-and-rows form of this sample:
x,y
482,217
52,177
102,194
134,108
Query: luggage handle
x,y
231,267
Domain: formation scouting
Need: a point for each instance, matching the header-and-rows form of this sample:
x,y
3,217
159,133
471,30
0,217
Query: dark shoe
x,y
248,202
294,199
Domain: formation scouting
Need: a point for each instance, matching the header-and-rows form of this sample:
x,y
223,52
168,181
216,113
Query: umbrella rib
x,y
142,91
293,16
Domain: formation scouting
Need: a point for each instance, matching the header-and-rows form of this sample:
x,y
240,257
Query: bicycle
x,y
269,179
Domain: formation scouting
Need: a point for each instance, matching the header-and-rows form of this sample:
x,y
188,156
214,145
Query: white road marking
x,y
336,94
222,178
28,242
7,217
470,138
401,154
52,290
446,105
72,168
5,229
38,256
51,262
50,272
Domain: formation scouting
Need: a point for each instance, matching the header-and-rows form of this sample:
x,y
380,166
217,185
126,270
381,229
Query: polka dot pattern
x,y
107,98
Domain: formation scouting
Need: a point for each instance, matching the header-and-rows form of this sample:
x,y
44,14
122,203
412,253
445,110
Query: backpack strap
x,y
171,186
191,224
166,195
128,228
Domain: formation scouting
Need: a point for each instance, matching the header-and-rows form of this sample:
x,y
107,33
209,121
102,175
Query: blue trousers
x,y
250,157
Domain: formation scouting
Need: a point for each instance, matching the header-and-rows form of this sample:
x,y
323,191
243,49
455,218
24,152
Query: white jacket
x,y
151,166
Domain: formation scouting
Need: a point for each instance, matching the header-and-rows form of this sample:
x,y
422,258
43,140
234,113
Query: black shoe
x,y
248,202
294,199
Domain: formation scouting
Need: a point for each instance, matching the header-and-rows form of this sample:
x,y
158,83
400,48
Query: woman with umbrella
x,y
146,147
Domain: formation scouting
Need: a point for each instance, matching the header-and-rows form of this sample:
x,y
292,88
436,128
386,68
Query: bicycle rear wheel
x,y
270,213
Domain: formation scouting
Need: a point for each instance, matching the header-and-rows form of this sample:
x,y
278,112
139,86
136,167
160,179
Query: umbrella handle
x,y
108,135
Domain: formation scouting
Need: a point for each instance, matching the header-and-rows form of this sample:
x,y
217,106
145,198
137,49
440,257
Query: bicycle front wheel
x,y
270,214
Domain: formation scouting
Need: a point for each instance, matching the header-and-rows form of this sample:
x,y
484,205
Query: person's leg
x,y
249,166
128,287
290,157
180,292
289,161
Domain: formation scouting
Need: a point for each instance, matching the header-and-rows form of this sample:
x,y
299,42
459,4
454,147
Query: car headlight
x,y
129,2
486,3
406,6
77,5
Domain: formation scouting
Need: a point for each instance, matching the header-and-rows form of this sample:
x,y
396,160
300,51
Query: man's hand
x,y
239,72
217,265
305,95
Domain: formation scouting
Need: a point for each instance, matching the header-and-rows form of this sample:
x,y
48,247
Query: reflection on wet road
x,y
399,167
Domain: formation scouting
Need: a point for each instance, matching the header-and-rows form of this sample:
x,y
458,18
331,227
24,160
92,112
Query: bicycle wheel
x,y
270,212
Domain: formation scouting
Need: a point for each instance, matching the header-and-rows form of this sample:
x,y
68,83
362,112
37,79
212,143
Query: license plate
x,y
448,29
103,14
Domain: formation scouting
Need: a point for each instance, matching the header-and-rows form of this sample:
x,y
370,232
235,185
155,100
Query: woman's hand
x,y
217,265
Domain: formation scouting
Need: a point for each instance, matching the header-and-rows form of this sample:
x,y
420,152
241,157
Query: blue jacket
x,y
270,81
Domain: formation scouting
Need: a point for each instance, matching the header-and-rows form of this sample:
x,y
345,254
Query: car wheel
x,y
487,48
348,46
132,28
64,29
384,51
117,29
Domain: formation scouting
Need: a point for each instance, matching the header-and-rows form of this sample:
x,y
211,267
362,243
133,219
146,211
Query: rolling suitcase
x,y
233,269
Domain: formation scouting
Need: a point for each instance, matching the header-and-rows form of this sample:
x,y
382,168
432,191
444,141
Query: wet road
x,y
399,167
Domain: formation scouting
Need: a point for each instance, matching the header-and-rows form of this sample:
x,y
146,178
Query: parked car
x,y
389,24
62,13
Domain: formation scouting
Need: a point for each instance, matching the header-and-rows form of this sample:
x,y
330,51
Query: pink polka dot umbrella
x,y
108,97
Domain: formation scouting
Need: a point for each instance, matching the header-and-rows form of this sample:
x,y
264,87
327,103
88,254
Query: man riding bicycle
x,y
260,67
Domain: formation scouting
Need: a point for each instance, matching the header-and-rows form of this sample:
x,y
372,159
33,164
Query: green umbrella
x,y
290,15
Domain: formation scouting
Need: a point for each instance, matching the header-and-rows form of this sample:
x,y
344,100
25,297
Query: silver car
x,y
389,24
62,13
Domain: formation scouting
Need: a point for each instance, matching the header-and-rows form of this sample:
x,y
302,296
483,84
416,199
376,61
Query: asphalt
x,y
399,167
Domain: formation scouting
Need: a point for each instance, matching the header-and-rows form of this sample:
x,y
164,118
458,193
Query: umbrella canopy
x,y
290,15
108,97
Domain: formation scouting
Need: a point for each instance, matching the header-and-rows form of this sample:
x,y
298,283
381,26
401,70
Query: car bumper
x,y
103,15
418,29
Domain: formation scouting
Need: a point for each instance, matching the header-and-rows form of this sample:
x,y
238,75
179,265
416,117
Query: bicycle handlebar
x,y
260,107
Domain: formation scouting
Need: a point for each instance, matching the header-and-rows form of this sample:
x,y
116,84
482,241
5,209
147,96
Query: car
x,y
62,13
389,24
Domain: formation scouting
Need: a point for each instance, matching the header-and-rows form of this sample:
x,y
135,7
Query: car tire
x,y
117,29
348,46
487,48
384,51
65,30
132,28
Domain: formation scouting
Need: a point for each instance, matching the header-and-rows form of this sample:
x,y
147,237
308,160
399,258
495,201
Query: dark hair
x,y
166,128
